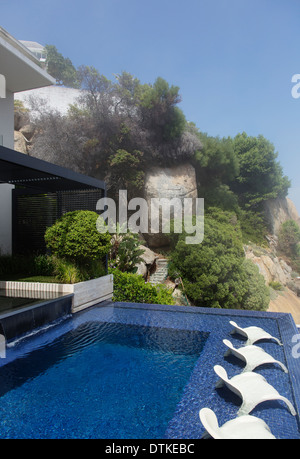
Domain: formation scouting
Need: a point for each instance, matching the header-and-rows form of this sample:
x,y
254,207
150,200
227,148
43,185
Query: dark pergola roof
x,y
19,169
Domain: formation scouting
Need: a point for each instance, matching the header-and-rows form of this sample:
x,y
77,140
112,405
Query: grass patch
x,y
41,279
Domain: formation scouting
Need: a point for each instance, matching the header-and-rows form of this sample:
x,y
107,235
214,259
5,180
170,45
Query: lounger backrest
x,y
221,372
210,423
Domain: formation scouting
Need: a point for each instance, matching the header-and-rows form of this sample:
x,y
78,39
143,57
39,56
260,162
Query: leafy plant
x,y
125,252
67,272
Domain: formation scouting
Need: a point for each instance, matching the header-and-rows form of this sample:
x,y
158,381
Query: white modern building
x,y
37,49
19,71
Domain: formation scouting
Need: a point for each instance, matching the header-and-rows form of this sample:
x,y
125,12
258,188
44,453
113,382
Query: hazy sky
x,y
232,59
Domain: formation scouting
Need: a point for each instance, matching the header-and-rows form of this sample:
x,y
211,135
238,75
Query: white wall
x,y
7,120
7,135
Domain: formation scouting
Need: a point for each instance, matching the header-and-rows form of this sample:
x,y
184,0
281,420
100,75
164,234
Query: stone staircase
x,y
161,272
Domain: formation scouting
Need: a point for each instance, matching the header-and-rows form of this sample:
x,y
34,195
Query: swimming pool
x,y
122,370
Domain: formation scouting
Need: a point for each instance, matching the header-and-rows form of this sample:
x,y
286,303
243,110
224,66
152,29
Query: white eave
x,y
19,66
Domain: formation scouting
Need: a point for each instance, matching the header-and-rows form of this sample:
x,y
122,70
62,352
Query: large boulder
x,y
148,260
171,182
21,118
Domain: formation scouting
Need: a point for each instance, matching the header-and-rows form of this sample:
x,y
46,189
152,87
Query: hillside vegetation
x,y
121,128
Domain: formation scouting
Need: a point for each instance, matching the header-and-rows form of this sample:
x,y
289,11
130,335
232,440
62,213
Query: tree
x,y
61,68
216,166
216,161
126,170
117,124
260,176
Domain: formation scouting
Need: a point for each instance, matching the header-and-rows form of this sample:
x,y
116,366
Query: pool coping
x,y
85,294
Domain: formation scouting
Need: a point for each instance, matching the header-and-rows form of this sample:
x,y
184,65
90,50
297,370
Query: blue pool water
x,y
121,370
99,381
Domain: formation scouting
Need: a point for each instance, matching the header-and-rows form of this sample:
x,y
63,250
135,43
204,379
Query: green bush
x,y
275,285
132,288
256,294
75,237
215,272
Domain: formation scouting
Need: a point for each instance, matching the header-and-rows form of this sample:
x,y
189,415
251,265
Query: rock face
x,y
172,182
273,268
278,211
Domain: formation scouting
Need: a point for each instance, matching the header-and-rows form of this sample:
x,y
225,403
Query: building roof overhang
x,y
22,170
19,66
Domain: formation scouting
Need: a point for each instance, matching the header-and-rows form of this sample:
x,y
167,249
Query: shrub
x,y
131,287
257,294
75,237
215,272
275,285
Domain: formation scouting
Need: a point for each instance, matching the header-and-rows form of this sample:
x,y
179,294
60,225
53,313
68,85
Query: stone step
x,y
161,272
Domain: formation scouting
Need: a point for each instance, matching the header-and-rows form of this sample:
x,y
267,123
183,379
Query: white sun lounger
x,y
252,388
253,334
252,355
245,427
